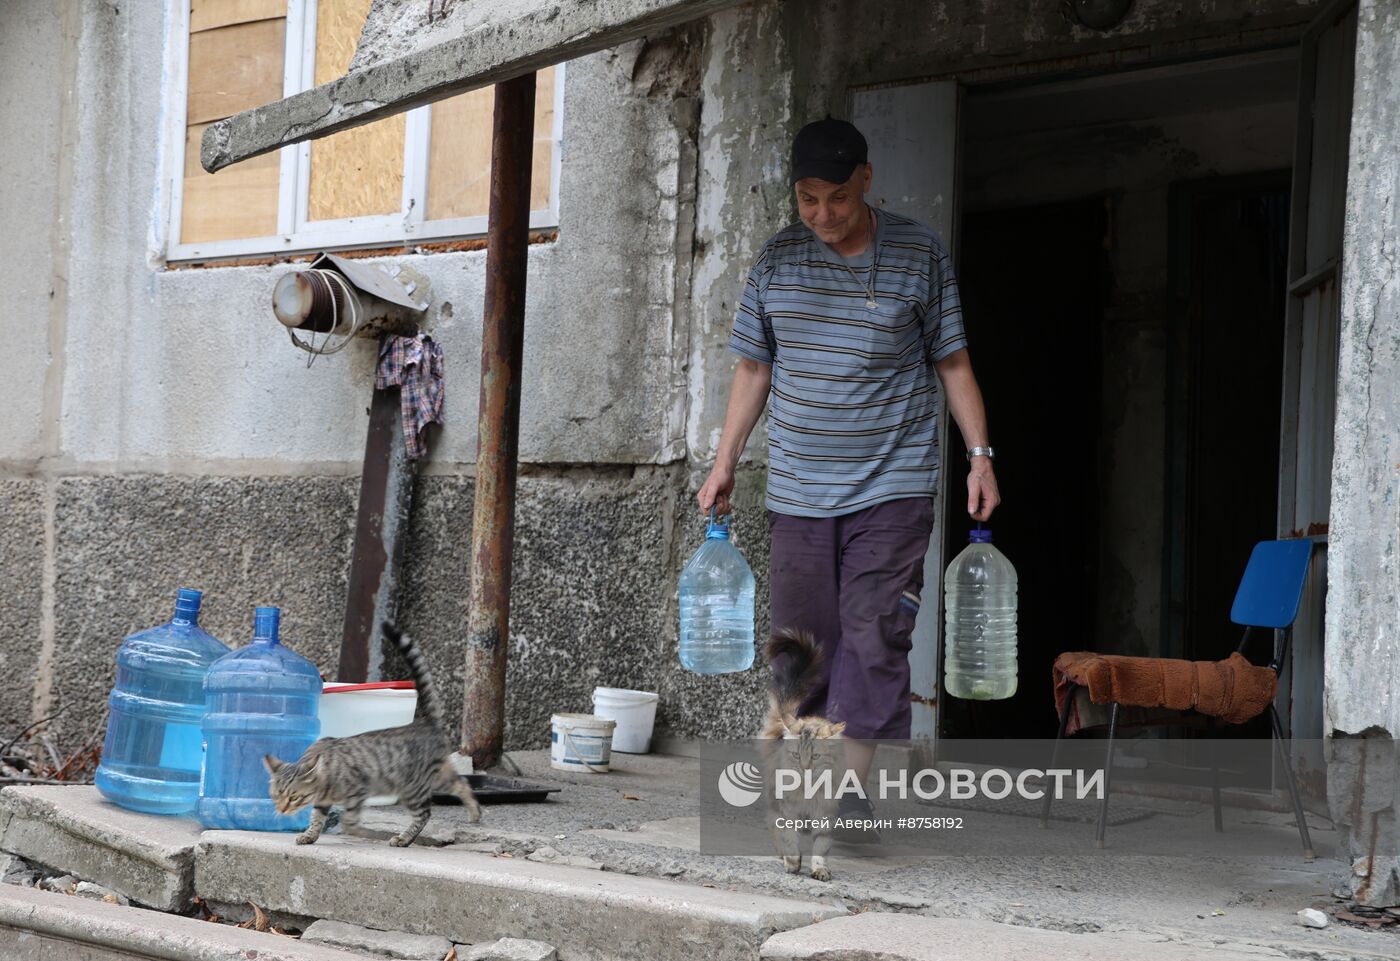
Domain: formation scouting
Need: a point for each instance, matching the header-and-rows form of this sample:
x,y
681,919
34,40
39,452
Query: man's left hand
x,y
982,494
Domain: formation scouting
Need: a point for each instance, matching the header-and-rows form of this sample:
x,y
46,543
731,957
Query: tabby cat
x,y
410,763
799,743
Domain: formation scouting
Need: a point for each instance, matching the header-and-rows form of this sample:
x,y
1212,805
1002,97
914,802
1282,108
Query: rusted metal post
x,y
498,422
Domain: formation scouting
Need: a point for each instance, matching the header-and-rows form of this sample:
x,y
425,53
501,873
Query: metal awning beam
x,y
490,53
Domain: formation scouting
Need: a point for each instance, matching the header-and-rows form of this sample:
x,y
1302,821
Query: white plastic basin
x,y
350,709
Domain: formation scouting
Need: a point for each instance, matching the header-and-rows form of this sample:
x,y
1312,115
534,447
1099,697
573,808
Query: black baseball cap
x,y
828,149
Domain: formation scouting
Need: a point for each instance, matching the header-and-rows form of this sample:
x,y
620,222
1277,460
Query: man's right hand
x,y
716,490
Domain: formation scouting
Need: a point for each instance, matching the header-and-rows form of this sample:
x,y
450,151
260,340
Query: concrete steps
x,y
470,897
467,897
73,830
474,897
39,926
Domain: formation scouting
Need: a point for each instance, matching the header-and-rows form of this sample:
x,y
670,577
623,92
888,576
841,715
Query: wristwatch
x,y
986,452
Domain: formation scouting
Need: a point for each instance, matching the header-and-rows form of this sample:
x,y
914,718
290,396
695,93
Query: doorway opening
x,y
1123,259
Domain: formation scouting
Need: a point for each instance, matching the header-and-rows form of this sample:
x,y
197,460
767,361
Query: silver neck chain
x,y
869,286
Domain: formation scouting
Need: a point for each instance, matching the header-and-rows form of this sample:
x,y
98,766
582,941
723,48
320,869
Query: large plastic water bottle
x,y
716,595
153,750
979,590
261,699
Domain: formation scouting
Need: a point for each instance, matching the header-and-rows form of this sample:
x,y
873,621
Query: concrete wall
x,y
1362,694
837,43
1363,563
163,431
36,40
31,155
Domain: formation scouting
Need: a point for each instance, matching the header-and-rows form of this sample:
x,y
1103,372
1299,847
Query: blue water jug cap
x,y
265,622
717,529
979,536
187,603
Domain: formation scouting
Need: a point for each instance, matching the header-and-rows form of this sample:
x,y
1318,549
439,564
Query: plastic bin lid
x,y
376,686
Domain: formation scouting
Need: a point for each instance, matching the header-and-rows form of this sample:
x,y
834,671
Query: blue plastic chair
x,y
1269,595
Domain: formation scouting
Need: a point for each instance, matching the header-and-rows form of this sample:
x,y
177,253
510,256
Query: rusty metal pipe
x,y
498,421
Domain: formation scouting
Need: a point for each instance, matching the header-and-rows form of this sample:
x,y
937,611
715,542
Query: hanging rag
x,y
414,366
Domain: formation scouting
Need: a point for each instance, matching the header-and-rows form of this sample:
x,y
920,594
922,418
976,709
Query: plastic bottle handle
x,y
713,525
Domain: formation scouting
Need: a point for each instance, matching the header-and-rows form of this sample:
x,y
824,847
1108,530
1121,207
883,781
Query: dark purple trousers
x,y
853,581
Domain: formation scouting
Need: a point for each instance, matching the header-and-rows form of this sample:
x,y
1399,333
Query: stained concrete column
x,y
1363,603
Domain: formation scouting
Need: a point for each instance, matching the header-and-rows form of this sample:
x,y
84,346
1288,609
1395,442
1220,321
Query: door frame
x,y
1311,357
878,110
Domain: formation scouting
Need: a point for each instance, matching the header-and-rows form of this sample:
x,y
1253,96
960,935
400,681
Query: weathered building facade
x,y
1136,186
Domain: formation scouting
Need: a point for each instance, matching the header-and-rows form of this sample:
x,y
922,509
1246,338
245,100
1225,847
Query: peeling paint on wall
x,y
745,128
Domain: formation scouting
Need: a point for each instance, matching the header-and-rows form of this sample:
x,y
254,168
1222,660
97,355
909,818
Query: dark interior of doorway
x,y
1229,258
1032,281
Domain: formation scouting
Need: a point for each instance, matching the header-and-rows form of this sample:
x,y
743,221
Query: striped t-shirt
x,y
853,415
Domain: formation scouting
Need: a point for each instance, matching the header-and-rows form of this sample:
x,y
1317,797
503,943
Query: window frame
x,y
295,233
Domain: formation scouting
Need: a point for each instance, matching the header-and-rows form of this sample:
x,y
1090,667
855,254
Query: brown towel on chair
x,y
1233,690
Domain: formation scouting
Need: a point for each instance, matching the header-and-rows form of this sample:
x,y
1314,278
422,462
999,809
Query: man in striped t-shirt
x,y
845,318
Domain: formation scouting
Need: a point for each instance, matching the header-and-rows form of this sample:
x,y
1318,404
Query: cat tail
x,y
796,661
417,666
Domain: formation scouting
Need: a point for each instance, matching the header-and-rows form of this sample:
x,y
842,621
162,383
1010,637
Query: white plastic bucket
x,y
349,709
580,742
634,712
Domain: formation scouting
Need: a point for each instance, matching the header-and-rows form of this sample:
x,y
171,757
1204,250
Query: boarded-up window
x,y
416,176
357,172
235,62
459,161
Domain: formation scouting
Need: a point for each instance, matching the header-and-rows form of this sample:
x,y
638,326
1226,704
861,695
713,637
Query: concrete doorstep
x,y
144,857
471,897
911,937
40,926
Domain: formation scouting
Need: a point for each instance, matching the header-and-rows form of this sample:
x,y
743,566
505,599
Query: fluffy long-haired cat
x,y
805,744
409,762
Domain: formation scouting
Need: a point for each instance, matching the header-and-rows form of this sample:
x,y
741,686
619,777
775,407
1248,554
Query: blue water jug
x,y
153,750
716,601
261,699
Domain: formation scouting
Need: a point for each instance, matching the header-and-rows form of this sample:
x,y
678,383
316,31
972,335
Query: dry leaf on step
x,y
259,921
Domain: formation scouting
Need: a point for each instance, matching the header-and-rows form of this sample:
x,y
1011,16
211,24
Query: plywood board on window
x,y
212,14
235,68
338,27
357,172
543,156
237,203
459,155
